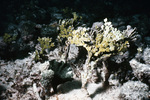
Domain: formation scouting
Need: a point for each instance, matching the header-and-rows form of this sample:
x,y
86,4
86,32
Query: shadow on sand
x,y
69,86
99,90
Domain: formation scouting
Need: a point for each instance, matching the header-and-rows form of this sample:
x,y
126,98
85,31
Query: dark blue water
x,y
99,7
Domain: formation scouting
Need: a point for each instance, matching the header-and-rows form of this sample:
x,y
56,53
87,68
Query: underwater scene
x,y
74,50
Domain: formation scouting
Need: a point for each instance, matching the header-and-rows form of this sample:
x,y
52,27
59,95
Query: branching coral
x,y
100,43
67,26
107,40
45,43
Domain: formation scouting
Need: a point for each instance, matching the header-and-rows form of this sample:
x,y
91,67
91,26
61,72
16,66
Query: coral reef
x,y
47,52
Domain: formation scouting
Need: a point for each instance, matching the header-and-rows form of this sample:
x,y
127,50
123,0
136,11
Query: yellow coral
x,y
66,27
45,43
102,44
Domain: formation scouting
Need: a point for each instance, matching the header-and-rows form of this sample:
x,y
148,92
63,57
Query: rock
x,y
73,53
3,47
2,89
134,91
61,69
115,24
121,23
26,27
27,82
120,57
43,66
48,30
62,73
54,9
146,56
141,71
27,38
11,27
46,80
57,16
96,25
121,28
135,19
47,77
38,26
147,40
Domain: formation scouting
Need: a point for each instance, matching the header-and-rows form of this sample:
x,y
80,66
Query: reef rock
x,y
141,71
134,91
